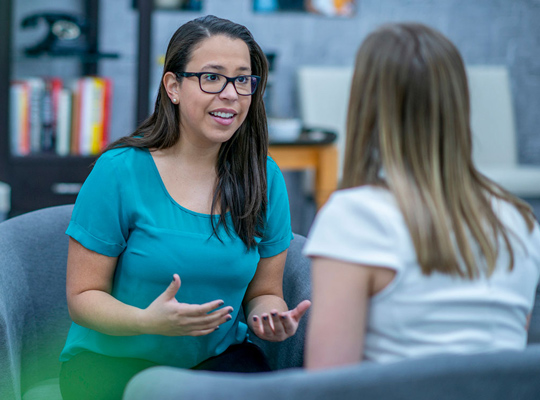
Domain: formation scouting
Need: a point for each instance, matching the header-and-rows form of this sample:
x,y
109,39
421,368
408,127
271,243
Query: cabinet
x,y
40,180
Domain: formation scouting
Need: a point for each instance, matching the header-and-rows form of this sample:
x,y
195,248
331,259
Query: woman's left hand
x,y
278,326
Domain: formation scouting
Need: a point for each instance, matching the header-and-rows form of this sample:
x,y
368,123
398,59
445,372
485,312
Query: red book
x,y
106,113
75,128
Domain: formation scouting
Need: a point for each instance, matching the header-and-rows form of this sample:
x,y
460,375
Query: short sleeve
x,y
99,220
354,228
278,233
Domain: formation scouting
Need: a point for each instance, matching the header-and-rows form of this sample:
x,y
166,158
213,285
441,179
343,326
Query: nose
x,y
229,92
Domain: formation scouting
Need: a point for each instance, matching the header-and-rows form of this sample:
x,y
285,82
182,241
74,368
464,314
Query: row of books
x,y
47,116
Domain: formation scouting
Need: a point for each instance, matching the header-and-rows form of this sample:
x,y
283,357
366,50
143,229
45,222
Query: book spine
x,y
98,100
15,114
76,117
24,107
57,86
86,107
63,131
37,89
107,113
47,118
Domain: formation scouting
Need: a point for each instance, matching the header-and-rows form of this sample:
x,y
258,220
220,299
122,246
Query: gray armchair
x,y
34,322
34,319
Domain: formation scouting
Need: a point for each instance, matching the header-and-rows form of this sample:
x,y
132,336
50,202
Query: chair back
x,y
492,116
34,319
323,95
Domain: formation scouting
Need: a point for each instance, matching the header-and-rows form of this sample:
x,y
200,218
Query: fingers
x,y
289,324
279,326
279,329
203,310
267,324
269,327
184,325
207,307
211,321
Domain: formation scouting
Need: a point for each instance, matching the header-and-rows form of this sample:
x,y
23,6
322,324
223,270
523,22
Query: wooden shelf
x,y
51,158
83,57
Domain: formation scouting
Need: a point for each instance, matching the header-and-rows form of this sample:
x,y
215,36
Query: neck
x,y
203,157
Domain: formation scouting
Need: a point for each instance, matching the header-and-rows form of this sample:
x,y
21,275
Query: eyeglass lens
x,y
215,83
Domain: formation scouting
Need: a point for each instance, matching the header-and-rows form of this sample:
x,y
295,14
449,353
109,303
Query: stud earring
x,y
174,101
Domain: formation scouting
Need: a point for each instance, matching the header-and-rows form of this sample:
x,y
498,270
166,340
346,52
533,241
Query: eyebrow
x,y
221,68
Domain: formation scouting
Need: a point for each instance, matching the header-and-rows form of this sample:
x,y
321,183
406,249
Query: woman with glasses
x,y
180,225
419,253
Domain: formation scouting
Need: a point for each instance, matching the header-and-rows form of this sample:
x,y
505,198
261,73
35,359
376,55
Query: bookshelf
x,y
40,180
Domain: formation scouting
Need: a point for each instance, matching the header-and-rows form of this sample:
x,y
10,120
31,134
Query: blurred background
x,y
123,42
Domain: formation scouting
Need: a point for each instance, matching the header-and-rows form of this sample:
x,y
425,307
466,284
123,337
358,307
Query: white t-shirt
x,y
418,315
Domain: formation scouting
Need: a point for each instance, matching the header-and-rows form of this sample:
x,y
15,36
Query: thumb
x,y
173,288
301,309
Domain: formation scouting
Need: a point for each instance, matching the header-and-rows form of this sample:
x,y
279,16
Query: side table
x,y
306,153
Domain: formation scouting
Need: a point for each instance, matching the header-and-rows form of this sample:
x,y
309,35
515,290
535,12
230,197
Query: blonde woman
x,y
419,253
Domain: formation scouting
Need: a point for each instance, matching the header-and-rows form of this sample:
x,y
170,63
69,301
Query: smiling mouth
x,y
222,114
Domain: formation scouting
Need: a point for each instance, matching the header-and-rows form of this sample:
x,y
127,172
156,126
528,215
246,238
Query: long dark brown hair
x,y
241,166
409,118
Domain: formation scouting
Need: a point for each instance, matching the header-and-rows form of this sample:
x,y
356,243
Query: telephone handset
x,y
66,33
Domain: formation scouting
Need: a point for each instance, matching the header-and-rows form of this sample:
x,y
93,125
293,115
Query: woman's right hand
x,y
166,316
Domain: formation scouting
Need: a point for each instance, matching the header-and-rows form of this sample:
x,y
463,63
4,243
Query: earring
x,y
174,100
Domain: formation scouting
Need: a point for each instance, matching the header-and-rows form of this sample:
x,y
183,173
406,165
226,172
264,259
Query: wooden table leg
x,y
326,175
323,159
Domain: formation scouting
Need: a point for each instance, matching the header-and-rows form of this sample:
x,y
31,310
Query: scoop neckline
x,y
167,194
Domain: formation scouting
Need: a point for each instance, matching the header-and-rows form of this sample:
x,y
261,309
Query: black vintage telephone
x,y
67,34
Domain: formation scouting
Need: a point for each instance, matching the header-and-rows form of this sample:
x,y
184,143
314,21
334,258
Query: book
x,y
76,116
98,103
49,113
107,113
63,125
15,114
86,99
45,116
18,118
37,92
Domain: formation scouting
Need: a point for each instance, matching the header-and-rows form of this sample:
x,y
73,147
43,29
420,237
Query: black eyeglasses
x,y
213,83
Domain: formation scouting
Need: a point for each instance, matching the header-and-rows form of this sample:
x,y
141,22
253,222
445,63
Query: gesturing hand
x,y
166,316
278,326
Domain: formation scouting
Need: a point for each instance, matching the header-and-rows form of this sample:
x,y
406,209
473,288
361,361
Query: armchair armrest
x,y
495,376
14,301
296,288
534,326
34,319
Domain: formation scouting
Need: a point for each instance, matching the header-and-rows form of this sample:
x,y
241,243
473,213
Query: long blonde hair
x,y
408,128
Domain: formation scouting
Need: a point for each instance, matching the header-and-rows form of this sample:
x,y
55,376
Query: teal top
x,y
124,210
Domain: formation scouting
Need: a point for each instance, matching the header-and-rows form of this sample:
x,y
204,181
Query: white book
x,y
63,124
86,107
